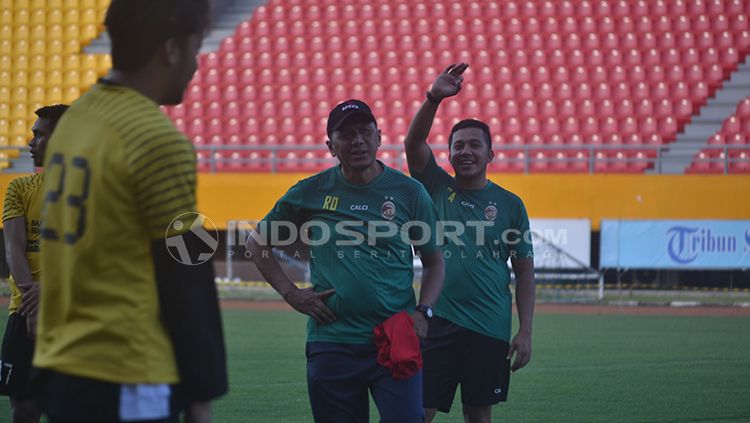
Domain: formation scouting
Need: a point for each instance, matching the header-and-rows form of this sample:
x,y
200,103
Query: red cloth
x,y
398,346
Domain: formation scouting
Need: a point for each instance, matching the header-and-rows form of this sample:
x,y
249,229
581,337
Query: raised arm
x,y
447,84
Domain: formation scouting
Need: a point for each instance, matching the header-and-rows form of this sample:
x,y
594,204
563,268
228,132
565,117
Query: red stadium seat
x,y
731,126
195,111
743,109
716,139
739,162
738,139
702,164
258,161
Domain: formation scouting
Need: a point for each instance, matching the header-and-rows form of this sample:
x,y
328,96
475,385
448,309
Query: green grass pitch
x,y
585,368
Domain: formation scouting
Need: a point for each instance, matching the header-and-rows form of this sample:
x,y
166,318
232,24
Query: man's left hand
x,y
420,324
521,346
30,300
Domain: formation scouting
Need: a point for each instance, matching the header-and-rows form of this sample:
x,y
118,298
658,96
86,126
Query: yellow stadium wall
x,y
224,197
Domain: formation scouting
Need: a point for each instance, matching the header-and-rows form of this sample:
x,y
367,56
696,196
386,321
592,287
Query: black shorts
x,y
339,377
15,359
70,399
455,355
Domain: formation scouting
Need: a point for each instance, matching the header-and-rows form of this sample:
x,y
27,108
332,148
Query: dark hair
x,y
138,28
52,113
471,123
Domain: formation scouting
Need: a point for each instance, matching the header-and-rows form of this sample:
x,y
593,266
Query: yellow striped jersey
x,y
118,173
24,199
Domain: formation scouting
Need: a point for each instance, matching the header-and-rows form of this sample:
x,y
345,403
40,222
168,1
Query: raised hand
x,y
448,83
309,302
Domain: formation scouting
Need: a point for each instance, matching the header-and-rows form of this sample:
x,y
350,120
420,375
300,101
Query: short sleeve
x,y
165,182
433,177
521,246
13,206
424,232
286,212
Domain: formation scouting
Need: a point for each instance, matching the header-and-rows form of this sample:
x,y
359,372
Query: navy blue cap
x,y
344,111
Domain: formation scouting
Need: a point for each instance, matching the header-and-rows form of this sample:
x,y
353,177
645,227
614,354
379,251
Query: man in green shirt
x,y
484,225
360,220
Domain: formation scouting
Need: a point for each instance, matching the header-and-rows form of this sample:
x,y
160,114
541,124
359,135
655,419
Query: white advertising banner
x,y
561,243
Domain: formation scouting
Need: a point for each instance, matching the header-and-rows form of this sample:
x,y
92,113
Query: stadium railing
x,y
529,158
511,158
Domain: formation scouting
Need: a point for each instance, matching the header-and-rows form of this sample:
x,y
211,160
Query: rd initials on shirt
x,y
330,203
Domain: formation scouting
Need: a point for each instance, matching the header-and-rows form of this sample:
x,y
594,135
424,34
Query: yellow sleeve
x,y
164,175
14,204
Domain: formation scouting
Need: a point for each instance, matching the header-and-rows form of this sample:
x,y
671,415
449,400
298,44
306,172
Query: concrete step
x,y
223,26
712,115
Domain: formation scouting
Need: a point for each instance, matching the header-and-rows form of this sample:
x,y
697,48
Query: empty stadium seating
x,y
729,150
41,60
566,86
609,72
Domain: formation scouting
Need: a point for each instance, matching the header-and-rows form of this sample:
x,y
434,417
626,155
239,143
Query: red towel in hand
x,y
398,346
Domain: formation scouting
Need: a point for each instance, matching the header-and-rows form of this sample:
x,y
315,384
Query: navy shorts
x,y
339,377
15,359
455,355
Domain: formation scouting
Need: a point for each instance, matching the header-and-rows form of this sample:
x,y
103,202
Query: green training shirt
x,y
360,245
476,293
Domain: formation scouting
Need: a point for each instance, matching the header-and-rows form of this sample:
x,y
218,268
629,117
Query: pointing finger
x,y
459,69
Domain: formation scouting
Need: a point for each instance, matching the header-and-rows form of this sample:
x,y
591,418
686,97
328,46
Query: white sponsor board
x,y
561,243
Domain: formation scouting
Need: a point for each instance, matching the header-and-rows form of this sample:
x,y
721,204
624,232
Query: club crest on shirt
x,y
490,212
388,209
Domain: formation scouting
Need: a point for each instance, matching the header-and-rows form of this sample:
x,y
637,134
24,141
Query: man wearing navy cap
x,y
360,220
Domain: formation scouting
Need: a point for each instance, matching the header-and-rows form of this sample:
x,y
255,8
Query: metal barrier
x,y
592,158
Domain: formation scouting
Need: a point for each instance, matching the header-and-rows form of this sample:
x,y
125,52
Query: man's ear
x,y
380,137
329,144
172,52
492,155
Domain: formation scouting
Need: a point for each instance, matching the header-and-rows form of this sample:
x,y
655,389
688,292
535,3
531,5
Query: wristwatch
x,y
426,311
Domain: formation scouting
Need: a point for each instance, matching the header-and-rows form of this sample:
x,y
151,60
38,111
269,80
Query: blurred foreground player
x,y
355,216
21,215
126,332
469,339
